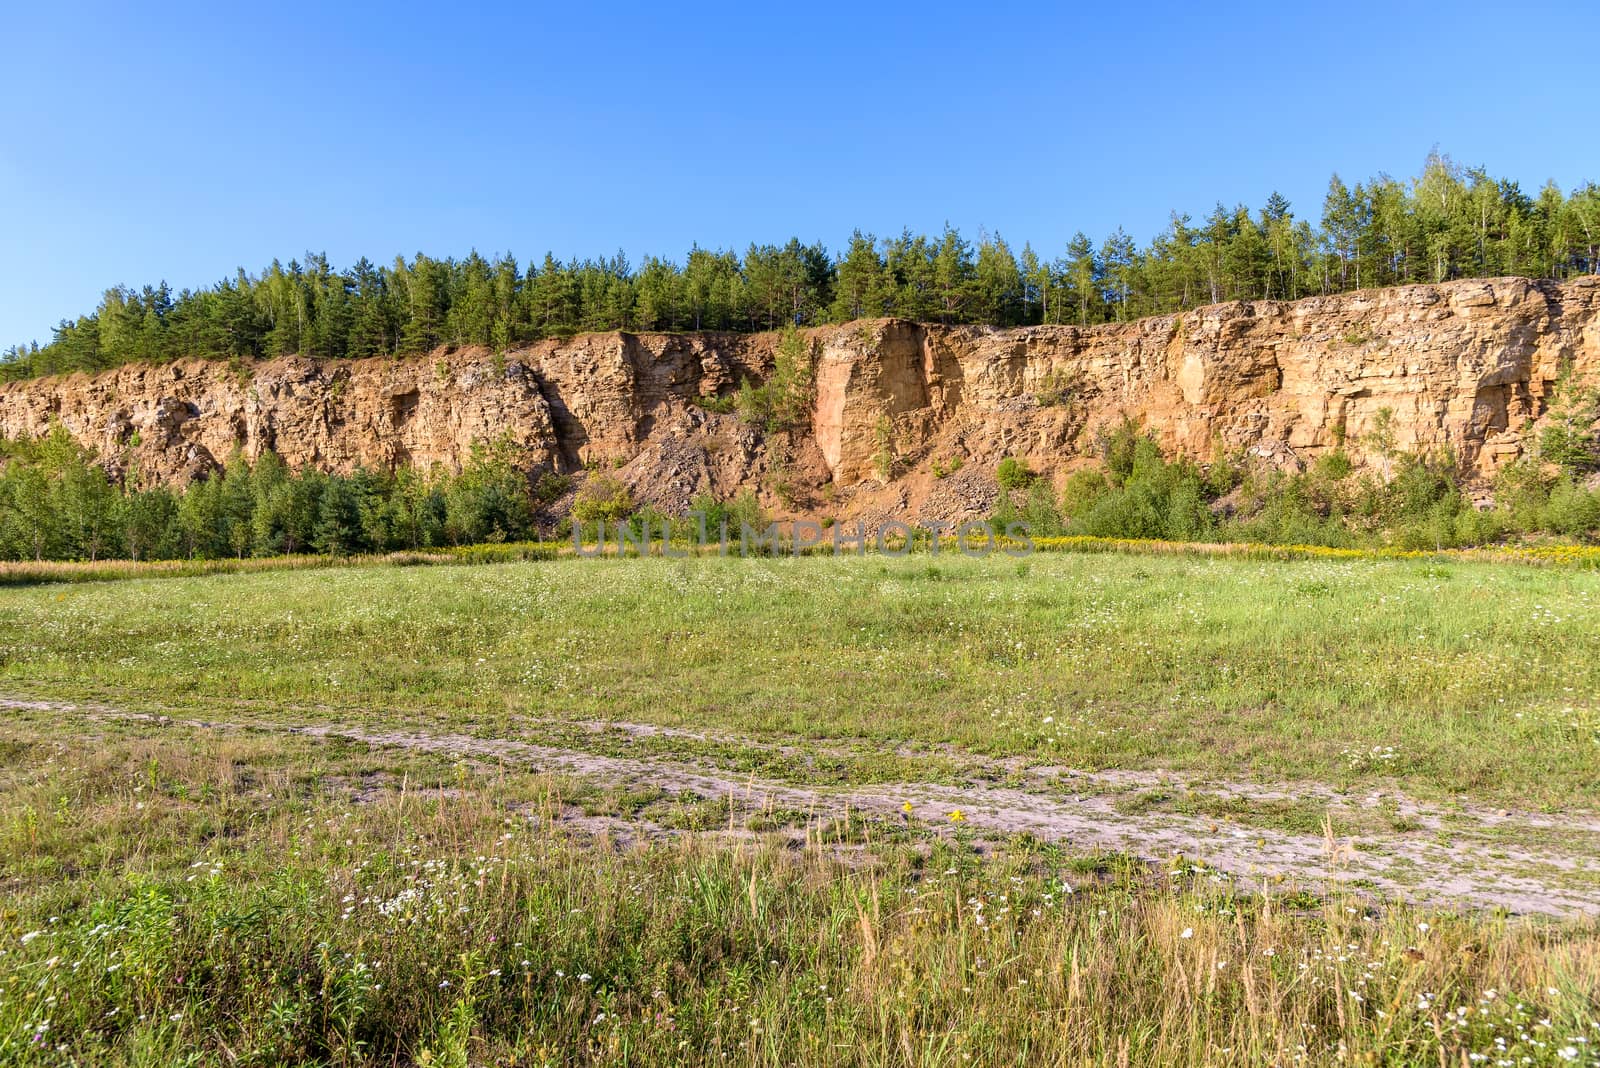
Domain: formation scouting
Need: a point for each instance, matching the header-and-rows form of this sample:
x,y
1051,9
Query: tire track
x,y
1460,873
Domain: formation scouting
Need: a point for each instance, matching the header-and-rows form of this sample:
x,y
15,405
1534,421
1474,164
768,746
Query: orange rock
x,y
1465,365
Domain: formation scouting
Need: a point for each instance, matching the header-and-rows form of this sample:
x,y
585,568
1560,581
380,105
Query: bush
x,y
1145,497
1423,485
1040,514
1569,441
1521,491
1013,474
887,458
1572,510
784,400
743,510
603,499
1117,449
1226,472
551,486
1083,489
490,500
1058,388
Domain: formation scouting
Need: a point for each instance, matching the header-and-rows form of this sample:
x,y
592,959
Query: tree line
x,y
58,502
1449,222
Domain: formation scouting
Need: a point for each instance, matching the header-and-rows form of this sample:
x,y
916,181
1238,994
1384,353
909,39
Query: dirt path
x,y
1522,862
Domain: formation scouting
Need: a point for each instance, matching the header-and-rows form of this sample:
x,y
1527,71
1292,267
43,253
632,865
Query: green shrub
x,y
550,486
1013,474
784,400
743,510
1058,388
721,405
1572,510
1569,440
887,458
1226,472
603,499
1333,466
1117,449
1084,487
1521,491
1039,513
1146,497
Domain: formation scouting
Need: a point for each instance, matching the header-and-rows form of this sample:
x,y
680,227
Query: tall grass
x,y
1480,679
228,904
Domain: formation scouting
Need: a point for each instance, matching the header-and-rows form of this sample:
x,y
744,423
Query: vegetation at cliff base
x,y
1449,222
58,501
1135,491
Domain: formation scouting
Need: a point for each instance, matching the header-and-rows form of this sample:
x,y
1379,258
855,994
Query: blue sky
x,y
180,142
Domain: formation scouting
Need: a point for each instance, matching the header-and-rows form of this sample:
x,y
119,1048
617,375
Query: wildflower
x,y
906,808
957,816
1188,932
30,936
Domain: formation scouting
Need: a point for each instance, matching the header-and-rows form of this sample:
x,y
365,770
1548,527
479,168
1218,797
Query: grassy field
x,y
778,811
1441,680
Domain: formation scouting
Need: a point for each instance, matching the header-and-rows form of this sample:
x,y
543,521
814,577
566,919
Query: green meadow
x,y
411,815
1440,679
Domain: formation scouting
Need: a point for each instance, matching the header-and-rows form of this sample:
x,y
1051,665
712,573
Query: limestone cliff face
x,y
1464,365
1467,365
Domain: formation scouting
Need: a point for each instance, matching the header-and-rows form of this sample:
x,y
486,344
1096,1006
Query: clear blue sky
x,y
180,143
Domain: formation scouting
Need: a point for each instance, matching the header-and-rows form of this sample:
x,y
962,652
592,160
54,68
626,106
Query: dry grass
x,y
260,901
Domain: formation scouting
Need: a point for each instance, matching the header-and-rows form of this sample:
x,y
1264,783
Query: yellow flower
x,y
957,816
906,808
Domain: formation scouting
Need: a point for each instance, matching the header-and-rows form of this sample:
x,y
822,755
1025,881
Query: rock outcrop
x,y
1464,365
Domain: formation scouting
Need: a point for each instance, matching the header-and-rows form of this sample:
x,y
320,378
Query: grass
x,y
37,572
1467,679
31,573
227,899
175,893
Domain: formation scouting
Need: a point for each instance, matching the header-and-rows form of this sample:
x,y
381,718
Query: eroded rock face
x,y
1465,365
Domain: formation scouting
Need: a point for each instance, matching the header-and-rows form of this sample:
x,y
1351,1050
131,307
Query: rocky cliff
x,y
1467,365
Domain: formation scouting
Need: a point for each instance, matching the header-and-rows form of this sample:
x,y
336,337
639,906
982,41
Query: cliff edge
x,y
1465,365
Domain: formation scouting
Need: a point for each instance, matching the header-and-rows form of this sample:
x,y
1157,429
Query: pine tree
x,y
952,274
1083,271
338,529
424,295
861,288
1118,257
